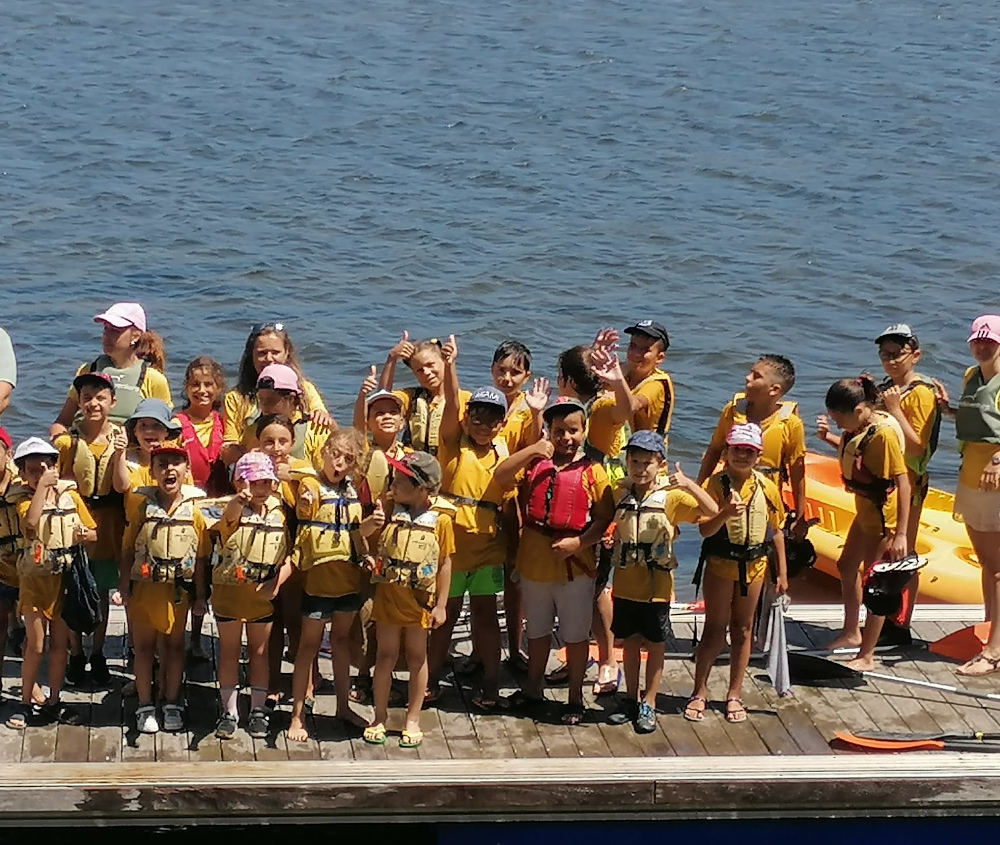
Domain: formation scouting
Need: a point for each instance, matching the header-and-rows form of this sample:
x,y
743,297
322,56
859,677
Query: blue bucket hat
x,y
648,441
156,409
488,396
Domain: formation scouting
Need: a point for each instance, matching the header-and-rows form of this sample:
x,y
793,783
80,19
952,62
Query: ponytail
x,y
149,347
845,395
574,366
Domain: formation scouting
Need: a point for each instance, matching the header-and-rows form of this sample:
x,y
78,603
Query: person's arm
x,y
440,612
797,477
8,370
734,507
368,386
893,405
781,587
608,369
6,389
34,516
536,399
507,471
451,416
707,506
709,462
897,548
823,431
402,351
65,418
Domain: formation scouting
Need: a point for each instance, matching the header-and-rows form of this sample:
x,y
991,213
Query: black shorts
x,y
9,594
323,608
647,619
604,567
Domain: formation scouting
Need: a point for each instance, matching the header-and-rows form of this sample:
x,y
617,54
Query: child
x,y
276,439
90,456
648,505
164,554
151,425
202,427
10,539
423,406
911,398
412,574
54,523
568,506
250,571
874,470
279,393
329,554
783,458
268,343
134,359
734,562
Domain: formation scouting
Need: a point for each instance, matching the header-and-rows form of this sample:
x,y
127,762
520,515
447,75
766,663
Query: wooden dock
x,y
501,766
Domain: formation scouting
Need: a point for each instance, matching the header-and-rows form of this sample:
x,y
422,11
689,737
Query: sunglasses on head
x,y
260,328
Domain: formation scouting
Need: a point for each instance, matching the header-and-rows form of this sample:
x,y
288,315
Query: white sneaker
x,y
173,718
145,720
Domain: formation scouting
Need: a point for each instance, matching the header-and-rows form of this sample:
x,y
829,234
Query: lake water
x,y
785,176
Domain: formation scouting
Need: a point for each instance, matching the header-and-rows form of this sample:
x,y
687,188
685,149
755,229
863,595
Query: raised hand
x,y
374,522
735,506
538,397
607,339
370,382
823,427
119,440
605,364
321,418
49,478
892,398
450,350
403,350
677,478
544,448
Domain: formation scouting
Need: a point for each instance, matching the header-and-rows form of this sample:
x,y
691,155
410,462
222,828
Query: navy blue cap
x,y
652,329
563,406
648,441
488,396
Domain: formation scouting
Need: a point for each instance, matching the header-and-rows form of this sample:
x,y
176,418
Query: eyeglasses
x,y
892,357
260,328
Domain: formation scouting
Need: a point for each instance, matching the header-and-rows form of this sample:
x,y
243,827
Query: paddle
x,y
806,668
889,736
915,743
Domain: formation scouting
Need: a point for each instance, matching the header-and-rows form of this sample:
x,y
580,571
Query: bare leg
x,y
258,640
538,656
440,642
173,663
718,593
987,546
230,643
632,654
601,628
849,566
58,655
865,661
388,653
309,643
576,660
34,647
416,662
654,671
742,609
486,639
144,643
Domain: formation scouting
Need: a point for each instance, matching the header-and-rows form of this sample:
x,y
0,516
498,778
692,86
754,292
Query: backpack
x,y
81,609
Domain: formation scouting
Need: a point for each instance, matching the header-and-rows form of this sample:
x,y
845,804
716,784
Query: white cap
x,y
121,315
747,434
35,446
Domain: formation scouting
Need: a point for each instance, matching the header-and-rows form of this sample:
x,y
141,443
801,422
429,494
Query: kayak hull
x,y
952,574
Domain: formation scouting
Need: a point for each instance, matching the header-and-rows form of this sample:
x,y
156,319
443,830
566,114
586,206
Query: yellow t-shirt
x,y
608,436
316,438
395,604
535,560
784,436
728,569
203,430
479,542
603,433
141,475
655,391
238,409
110,520
637,582
334,578
154,385
9,552
519,426
883,458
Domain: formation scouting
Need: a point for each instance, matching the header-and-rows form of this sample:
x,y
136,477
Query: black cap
x,y
652,329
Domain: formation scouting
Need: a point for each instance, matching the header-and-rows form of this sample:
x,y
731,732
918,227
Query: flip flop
x,y
411,739
18,720
692,714
573,714
735,714
485,703
605,685
992,665
374,734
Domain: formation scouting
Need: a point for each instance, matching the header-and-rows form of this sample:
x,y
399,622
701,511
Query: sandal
x,y
737,713
433,694
692,713
361,691
411,739
374,734
573,714
485,703
608,681
559,675
18,720
986,666
62,713
520,703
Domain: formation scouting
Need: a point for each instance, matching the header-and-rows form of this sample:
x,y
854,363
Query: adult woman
x,y
267,343
977,500
134,358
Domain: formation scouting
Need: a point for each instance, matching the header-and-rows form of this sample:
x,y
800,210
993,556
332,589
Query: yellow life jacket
x,y
423,427
51,551
477,498
328,536
645,537
408,551
857,478
786,410
10,523
256,549
167,543
93,475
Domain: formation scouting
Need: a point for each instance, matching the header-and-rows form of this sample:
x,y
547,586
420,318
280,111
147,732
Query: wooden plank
x,y
523,735
794,718
39,745
456,726
106,711
203,710
682,736
556,737
712,730
10,741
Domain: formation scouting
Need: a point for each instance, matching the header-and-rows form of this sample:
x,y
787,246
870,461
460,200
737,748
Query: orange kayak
x,y
952,574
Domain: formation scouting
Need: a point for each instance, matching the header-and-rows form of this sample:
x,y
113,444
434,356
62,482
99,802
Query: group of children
x,y
256,502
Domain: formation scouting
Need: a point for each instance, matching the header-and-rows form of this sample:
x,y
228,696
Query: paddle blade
x,y
963,645
968,736
866,744
809,669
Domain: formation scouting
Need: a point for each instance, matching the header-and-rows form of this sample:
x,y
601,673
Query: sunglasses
x,y
260,328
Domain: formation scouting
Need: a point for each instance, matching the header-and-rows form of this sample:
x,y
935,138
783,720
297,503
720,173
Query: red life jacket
x,y
558,500
207,468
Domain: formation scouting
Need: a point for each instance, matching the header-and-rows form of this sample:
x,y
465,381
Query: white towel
x,y
777,648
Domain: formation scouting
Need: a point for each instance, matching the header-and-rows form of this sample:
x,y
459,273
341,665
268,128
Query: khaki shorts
x,y
571,601
978,509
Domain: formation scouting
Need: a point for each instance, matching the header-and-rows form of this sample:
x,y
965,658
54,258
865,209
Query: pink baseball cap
x,y
986,327
254,466
746,434
121,315
278,377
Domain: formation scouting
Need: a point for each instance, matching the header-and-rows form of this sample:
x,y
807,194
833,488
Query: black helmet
x,y
883,593
799,555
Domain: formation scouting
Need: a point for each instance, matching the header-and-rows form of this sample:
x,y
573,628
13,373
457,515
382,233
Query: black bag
x,y
81,610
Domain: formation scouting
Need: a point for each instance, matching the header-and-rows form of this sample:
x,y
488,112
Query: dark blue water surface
x,y
786,176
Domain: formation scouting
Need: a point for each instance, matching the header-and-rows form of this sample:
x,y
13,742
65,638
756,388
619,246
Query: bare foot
x,y
845,640
862,664
297,731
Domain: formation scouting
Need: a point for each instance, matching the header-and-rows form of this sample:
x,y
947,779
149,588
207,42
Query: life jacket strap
x,y
472,503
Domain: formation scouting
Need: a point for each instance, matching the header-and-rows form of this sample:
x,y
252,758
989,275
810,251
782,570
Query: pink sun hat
x,y
279,377
254,466
746,434
122,315
986,327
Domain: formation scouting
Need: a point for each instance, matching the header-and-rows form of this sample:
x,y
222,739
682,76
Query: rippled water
x,y
785,176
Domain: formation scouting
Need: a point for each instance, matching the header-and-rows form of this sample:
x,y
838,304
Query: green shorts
x,y
483,582
105,573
